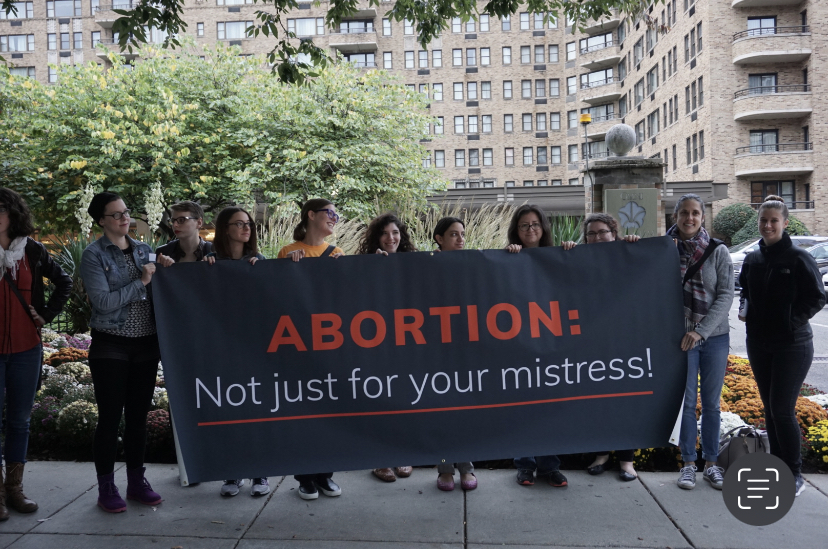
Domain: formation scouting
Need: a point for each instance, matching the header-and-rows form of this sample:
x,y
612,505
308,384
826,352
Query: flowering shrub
x,y
822,399
809,413
160,400
77,421
69,354
818,439
160,444
729,422
751,410
43,423
809,390
58,386
739,388
79,341
78,370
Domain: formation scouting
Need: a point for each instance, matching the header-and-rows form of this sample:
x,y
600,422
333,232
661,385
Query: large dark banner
x,y
377,361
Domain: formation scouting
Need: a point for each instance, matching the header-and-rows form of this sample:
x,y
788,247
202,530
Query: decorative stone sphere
x,y
620,139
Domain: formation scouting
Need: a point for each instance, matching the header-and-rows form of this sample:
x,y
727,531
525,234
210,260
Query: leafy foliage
x,y
216,130
731,219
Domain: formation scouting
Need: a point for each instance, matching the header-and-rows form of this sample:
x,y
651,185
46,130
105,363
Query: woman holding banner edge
x,y
387,234
707,274
601,227
317,221
530,228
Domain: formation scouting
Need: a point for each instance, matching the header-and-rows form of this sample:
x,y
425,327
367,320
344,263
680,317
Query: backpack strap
x,y
694,268
328,251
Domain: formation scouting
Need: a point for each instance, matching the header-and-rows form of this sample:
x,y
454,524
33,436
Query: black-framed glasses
x,y
241,224
602,232
181,220
524,227
118,215
331,214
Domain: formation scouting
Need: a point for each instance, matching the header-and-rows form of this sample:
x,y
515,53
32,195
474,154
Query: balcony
x,y
601,91
604,25
561,199
354,40
600,56
772,103
112,46
774,160
105,15
763,3
600,125
772,45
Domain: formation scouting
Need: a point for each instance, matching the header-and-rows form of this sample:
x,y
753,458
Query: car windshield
x,y
807,242
743,247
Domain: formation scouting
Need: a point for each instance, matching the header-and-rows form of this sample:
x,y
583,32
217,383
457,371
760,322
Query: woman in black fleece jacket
x,y
781,290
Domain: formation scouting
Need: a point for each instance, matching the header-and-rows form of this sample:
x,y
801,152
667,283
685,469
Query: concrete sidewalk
x,y
411,513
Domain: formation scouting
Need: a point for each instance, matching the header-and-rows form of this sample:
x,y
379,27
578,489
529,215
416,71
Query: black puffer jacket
x,y
784,290
42,265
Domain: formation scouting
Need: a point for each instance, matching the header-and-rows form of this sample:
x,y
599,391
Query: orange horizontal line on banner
x,y
423,411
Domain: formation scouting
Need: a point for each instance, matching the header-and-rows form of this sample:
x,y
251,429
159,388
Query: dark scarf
x,y
691,251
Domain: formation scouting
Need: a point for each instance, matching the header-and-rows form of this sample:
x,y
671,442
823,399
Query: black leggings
x,y
780,372
122,386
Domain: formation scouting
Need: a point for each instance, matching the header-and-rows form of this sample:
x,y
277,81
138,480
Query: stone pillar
x,y
628,188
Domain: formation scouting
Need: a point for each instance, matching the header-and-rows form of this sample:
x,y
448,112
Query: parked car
x,y
738,252
820,253
825,278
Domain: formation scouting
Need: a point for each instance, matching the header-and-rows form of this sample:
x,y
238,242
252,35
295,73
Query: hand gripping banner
x,y
415,358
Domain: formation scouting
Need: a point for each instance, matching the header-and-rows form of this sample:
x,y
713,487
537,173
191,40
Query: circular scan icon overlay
x,y
759,489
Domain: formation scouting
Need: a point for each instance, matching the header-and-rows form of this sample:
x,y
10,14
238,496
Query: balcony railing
x,y
602,154
598,83
369,30
799,29
364,64
596,47
108,7
797,205
603,118
775,147
767,90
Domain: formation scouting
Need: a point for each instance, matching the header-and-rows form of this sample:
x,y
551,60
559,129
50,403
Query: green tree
x,y
217,130
430,19
750,231
731,219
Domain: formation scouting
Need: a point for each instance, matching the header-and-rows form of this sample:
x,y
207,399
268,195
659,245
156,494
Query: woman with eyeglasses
x,y
24,263
317,221
387,234
601,227
186,219
117,272
530,228
235,239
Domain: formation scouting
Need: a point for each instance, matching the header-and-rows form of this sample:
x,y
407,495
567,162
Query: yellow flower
x,y
108,134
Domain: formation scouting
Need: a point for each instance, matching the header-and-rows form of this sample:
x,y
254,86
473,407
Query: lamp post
x,y
585,119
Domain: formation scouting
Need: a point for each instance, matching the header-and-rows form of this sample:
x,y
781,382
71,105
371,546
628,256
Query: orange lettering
x,y
552,322
292,338
491,321
319,332
356,334
401,327
445,320
471,315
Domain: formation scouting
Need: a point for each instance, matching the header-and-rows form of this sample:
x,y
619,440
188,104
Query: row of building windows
x,y
540,156
526,183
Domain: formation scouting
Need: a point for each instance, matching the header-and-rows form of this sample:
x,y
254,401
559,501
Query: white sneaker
x,y
714,476
260,487
231,487
800,485
687,480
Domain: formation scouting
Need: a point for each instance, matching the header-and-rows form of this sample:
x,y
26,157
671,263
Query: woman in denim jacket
x,y
124,354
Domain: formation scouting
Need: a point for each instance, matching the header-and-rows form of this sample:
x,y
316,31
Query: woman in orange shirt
x,y
318,219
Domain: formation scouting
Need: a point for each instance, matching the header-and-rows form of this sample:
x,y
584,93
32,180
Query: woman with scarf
x,y
707,275
781,291
23,265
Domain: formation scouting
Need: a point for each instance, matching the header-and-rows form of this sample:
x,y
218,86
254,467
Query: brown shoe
x,y
385,474
404,472
15,497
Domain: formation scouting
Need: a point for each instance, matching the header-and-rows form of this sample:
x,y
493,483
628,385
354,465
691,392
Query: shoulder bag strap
x,y
328,251
16,291
694,268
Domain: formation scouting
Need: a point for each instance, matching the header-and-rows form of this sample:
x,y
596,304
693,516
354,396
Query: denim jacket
x,y
106,279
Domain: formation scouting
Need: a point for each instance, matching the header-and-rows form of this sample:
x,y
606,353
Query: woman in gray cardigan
x,y
708,295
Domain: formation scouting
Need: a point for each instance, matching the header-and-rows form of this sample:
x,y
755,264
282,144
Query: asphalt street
x,y
818,375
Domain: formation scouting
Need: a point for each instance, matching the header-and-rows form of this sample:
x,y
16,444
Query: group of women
x,y
781,286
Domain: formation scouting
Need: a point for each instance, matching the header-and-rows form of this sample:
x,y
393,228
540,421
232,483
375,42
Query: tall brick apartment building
x,y
721,90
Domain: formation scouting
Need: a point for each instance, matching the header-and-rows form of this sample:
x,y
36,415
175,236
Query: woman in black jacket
x,y
781,290
23,311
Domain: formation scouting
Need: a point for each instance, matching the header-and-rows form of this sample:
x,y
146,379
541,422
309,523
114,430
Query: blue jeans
x,y
544,464
708,361
19,373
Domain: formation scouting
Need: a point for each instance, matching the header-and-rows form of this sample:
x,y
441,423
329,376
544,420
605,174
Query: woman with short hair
x,y
24,263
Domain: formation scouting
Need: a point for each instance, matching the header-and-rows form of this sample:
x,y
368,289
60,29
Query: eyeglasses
x,y
241,224
602,232
524,227
181,220
118,215
331,214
